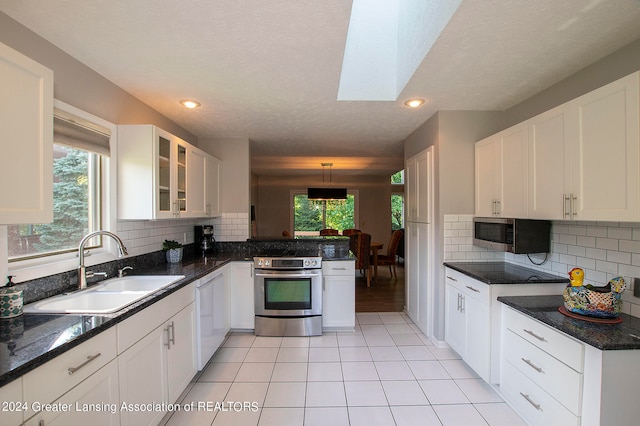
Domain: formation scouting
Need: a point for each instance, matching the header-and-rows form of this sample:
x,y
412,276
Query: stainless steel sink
x,y
109,296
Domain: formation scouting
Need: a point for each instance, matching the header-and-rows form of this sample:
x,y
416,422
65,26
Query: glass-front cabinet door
x,y
181,197
171,175
164,175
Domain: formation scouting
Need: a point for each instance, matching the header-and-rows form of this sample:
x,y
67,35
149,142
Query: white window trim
x,y
356,209
30,269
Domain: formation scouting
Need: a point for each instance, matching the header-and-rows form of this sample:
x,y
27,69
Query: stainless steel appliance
x,y
203,238
520,236
288,296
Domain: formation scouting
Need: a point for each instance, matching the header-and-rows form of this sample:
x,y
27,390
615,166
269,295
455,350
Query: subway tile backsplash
x,y
146,236
603,249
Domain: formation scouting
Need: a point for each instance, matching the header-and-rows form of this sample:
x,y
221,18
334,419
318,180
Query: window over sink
x,y
80,152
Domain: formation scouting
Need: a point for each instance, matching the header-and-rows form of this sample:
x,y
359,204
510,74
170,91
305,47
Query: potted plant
x,y
173,250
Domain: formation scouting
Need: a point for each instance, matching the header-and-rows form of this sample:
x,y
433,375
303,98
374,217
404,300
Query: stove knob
x,y
266,263
307,262
260,262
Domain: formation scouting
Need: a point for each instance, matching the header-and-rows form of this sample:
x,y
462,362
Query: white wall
x,y
603,249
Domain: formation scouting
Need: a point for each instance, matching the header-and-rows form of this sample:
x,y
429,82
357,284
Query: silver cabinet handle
x,y
542,339
565,212
498,207
90,358
172,339
451,278
168,344
530,401
462,301
473,289
532,365
459,302
574,202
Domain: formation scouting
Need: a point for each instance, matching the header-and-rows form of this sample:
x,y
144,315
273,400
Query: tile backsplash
x,y
603,249
146,236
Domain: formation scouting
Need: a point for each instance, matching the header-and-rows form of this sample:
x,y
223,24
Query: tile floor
x,y
385,373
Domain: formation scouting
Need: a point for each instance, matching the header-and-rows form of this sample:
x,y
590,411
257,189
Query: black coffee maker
x,y
204,240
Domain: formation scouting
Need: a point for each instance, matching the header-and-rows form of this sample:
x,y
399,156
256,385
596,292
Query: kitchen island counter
x,y
625,335
504,273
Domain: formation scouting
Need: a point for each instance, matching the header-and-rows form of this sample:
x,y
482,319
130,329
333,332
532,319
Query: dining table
x,y
375,246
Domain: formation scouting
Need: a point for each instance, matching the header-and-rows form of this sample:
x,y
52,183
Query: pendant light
x,y
327,193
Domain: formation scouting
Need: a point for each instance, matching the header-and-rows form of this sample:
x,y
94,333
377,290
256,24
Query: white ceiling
x,y
270,70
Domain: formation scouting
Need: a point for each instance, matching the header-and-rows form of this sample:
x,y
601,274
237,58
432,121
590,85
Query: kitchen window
x,y
310,216
80,153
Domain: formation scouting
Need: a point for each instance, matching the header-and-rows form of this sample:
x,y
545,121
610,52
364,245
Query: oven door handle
x,y
288,275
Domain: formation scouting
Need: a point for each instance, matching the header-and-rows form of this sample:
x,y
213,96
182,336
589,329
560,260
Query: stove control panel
x,y
287,262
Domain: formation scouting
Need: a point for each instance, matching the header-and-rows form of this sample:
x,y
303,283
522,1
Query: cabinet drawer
x,y
531,401
472,288
144,322
52,379
560,381
338,268
555,343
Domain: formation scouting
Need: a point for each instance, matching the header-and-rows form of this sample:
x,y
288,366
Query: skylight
x,y
386,42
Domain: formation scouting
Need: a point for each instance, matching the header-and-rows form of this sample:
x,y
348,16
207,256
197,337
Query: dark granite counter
x,y
625,335
504,273
30,340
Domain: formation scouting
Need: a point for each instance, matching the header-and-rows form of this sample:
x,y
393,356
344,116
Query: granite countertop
x,y
625,335
30,340
504,273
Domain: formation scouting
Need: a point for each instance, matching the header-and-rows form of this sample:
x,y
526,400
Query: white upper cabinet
x,y
212,185
605,153
584,156
160,176
549,160
26,129
419,186
501,173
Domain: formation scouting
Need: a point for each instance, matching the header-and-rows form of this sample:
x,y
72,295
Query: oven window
x,y
287,293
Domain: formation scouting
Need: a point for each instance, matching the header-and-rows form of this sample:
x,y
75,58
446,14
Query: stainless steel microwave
x,y
520,236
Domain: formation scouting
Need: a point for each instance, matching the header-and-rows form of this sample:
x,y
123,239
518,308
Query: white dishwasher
x,y
212,317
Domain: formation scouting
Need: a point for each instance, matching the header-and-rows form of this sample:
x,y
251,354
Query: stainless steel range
x,y
288,296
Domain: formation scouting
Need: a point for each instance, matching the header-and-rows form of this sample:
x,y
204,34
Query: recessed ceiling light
x,y
190,104
414,103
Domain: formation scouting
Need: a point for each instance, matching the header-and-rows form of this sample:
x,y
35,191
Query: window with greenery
x,y
397,211
398,178
310,216
76,195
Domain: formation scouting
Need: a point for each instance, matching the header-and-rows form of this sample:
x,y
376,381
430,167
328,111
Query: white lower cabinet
x,y
467,322
72,371
419,291
14,408
157,356
338,295
94,401
473,318
241,295
550,378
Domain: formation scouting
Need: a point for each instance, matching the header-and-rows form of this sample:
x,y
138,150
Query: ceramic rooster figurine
x,y
602,302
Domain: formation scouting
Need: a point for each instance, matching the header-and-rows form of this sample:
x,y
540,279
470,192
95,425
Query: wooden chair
x,y
349,232
363,254
328,231
390,259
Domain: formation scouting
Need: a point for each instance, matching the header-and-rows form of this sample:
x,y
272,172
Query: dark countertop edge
x,y
458,266
117,317
513,302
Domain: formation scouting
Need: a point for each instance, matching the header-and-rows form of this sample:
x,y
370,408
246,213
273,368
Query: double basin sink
x,y
106,297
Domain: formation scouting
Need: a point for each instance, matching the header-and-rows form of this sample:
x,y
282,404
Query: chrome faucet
x,y
82,272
